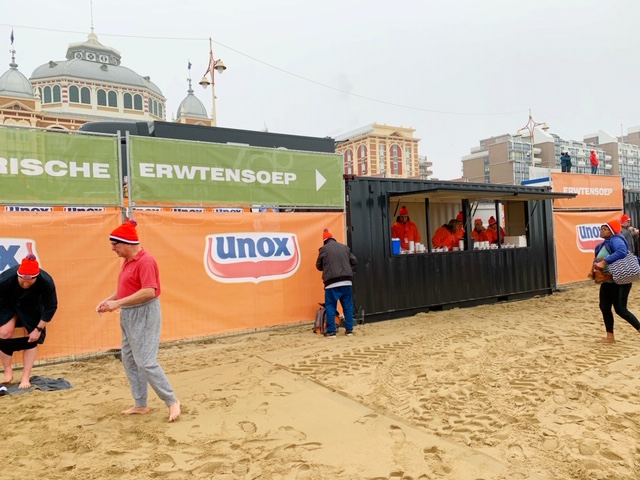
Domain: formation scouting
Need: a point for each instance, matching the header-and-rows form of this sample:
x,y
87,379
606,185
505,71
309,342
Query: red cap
x,y
614,226
404,212
29,266
459,216
477,220
625,218
326,235
492,220
126,233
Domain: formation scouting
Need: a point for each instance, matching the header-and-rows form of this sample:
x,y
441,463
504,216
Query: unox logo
x,y
13,250
251,257
588,236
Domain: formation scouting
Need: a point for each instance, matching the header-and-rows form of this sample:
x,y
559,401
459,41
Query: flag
x,y
11,37
189,67
210,66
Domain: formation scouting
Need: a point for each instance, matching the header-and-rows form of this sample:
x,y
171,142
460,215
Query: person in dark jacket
x,y
337,264
613,295
27,299
565,162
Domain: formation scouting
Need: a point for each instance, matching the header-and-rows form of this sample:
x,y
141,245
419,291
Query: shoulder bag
x,y
626,270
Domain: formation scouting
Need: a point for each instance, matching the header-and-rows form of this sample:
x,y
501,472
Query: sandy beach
x,y
517,390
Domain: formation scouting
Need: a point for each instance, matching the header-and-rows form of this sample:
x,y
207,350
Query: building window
x,y
85,96
128,101
160,110
362,160
348,161
112,99
395,158
137,102
47,95
407,154
57,94
381,159
153,107
74,94
102,98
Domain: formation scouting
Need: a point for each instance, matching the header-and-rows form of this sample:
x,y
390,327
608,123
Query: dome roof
x,y
191,106
15,84
91,60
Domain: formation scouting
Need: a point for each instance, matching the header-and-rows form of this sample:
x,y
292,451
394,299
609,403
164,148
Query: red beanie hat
x,y
404,212
29,266
614,226
625,218
326,235
126,233
477,220
459,216
492,220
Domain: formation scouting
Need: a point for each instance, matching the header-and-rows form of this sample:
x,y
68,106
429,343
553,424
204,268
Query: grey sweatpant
x,y
140,326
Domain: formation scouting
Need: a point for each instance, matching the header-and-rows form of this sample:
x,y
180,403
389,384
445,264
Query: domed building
x,y
192,111
91,84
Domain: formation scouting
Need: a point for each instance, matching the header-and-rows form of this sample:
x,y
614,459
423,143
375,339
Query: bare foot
x,y
174,411
8,376
24,383
606,340
136,411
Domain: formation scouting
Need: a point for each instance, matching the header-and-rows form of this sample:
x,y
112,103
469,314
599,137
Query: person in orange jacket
x,y
479,233
460,229
593,159
445,235
405,229
492,231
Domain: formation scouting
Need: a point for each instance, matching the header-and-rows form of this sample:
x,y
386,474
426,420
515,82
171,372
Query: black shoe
x,y
349,333
330,334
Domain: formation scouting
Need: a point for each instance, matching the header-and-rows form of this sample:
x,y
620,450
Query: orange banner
x,y
594,191
576,236
220,272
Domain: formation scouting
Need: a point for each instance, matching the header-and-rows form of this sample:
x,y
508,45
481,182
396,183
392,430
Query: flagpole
x,y
205,82
212,63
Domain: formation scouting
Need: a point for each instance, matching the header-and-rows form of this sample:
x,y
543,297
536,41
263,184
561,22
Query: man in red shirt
x,y
479,233
140,321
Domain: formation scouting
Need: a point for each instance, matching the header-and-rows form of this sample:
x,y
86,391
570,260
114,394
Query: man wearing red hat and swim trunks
x,y
140,321
27,299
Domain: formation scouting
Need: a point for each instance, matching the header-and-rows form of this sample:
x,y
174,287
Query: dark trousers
x,y
616,296
566,169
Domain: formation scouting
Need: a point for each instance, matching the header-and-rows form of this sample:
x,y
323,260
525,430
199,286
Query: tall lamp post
x,y
530,127
214,65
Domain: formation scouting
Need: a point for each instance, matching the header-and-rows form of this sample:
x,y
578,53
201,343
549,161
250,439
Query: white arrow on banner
x,y
320,180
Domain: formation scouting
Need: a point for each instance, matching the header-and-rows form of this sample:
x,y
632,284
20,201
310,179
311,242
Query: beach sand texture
x,y
516,390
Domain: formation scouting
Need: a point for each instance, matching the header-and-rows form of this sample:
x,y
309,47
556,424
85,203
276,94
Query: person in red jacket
x,y
445,236
405,230
460,229
479,233
492,231
593,159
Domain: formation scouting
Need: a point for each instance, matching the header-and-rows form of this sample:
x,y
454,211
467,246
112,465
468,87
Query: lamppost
x,y
530,127
219,67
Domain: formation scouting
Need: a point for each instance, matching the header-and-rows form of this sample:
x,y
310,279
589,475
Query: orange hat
x,y
492,220
625,218
404,212
29,266
459,217
614,226
326,235
126,233
477,220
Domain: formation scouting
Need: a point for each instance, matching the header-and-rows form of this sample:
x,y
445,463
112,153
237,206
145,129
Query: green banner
x,y
40,167
167,172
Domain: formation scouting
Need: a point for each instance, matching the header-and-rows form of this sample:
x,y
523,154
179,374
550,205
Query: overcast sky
x,y
456,71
